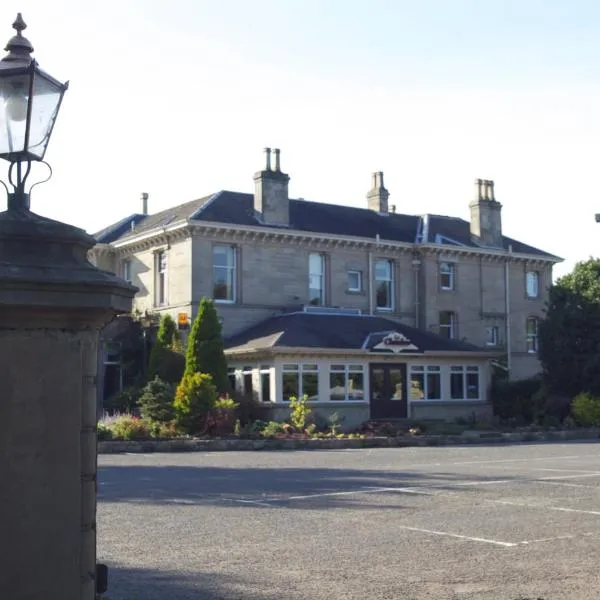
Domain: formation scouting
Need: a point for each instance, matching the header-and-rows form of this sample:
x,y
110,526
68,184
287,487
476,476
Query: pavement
x,y
469,522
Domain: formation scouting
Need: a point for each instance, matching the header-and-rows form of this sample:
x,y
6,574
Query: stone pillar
x,y
53,303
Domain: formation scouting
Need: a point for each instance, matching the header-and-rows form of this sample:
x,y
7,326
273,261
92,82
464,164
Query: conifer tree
x,y
205,351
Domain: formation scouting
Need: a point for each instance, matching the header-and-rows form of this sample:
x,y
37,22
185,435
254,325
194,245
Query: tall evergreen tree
x,y
167,331
569,336
166,362
205,351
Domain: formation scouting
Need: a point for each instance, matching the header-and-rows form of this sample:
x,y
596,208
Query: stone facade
x,y
487,299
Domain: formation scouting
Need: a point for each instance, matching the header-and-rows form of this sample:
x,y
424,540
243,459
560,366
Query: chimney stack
x,y
145,197
486,214
378,196
271,198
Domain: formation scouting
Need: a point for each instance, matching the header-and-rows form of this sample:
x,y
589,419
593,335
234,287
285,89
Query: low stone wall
x,y
225,444
450,410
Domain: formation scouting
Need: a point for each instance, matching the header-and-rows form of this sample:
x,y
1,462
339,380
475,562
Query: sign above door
x,y
395,342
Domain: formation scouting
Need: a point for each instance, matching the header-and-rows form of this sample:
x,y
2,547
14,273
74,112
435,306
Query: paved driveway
x,y
495,522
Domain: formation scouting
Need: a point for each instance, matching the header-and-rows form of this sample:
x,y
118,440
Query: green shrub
x,y
299,412
196,395
128,427
586,410
156,401
272,428
125,401
516,400
104,432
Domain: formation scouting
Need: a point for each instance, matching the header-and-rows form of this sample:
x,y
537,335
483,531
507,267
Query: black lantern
x,y
29,103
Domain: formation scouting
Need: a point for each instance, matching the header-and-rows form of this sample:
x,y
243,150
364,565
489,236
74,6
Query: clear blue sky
x,y
178,99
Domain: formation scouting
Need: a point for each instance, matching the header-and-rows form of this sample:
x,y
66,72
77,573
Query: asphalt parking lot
x,y
469,522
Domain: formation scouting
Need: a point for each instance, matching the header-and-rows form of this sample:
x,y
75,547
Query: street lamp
x,y
29,103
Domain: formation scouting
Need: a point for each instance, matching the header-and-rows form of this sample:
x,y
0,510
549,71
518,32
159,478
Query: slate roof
x,y
337,332
237,208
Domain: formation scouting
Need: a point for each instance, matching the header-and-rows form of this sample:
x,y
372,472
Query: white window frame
x,y
465,371
425,371
390,281
494,339
447,269
126,272
231,273
301,369
233,379
319,276
358,274
451,327
347,370
268,371
532,338
532,278
161,269
248,370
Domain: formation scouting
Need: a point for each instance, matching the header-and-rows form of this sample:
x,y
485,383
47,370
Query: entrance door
x,y
388,388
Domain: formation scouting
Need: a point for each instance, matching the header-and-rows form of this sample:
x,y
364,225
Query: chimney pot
x,y
267,159
145,197
277,153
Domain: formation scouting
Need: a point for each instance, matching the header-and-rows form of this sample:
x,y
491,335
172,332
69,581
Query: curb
x,y
226,444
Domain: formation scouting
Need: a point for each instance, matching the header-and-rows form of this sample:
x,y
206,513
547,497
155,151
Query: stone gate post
x,y
53,302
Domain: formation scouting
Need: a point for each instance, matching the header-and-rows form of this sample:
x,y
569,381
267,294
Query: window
x,y
492,335
354,281
248,381
126,271
531,334
265,383
532,284
425,383
316,279
346,382
299,381
224,273
464,383
447,271
447,324
384,284
231,378
161,278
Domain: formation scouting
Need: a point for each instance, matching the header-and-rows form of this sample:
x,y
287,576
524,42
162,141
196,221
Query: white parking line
x,y
461,537
556,508
573,485
578,476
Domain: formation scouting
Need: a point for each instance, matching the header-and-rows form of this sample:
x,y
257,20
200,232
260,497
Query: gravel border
x,y
225,444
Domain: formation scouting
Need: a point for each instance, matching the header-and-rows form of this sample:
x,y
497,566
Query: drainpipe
x,y
370,259
507,307
416,264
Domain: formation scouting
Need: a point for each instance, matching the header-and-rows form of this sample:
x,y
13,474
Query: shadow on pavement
x,y
127,583
224,486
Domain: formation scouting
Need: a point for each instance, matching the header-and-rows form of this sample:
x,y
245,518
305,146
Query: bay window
x,y
299,380
464,383
346,382
425,382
